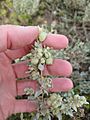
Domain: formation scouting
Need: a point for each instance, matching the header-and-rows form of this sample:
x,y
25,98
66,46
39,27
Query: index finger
x,y
15,37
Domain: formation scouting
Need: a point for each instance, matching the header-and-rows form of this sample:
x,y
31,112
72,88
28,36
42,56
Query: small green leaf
x,y
42,36
34,61
42,60
49,61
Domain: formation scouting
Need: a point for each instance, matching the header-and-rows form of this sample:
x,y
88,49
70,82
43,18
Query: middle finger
x,y
58,68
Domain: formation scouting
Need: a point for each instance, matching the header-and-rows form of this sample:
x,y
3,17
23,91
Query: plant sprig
x,y
49,104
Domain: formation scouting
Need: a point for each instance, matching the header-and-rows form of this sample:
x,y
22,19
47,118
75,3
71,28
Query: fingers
x,y
61,84
59,68
56,41
58,85
15,37
22,84
53,40
24,106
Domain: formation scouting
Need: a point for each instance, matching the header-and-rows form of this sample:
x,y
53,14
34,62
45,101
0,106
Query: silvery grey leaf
x,y
45,118
74,108
42,36
70,113
37,116
21,116
44,111
31,98
46,92
38,93
36,44
41,67
59,116
49,117
34,118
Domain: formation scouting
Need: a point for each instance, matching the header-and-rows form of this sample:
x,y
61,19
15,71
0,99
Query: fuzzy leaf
x,y
49,61
34,118
74,108
37,116
42,36
59,116
38,93
31,98
41,67
49,117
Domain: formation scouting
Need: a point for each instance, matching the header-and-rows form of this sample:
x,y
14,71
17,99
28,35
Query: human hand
x,y
15,42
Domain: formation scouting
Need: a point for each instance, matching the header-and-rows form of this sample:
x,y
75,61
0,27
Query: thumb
x,y
15,37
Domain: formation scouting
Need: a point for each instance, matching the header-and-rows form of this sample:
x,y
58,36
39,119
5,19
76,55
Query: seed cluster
x,y
40,56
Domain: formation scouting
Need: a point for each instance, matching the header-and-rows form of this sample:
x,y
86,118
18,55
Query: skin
x,y
15,42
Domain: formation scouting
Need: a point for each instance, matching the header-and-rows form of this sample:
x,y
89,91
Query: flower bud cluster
x,y
40,56
29,91
58,103
78,100
47,83
55,101
71,103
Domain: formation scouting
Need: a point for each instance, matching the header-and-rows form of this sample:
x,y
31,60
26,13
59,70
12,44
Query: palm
x,y
8,88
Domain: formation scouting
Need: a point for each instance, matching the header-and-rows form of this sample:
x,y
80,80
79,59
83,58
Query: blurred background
x,y
68,17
